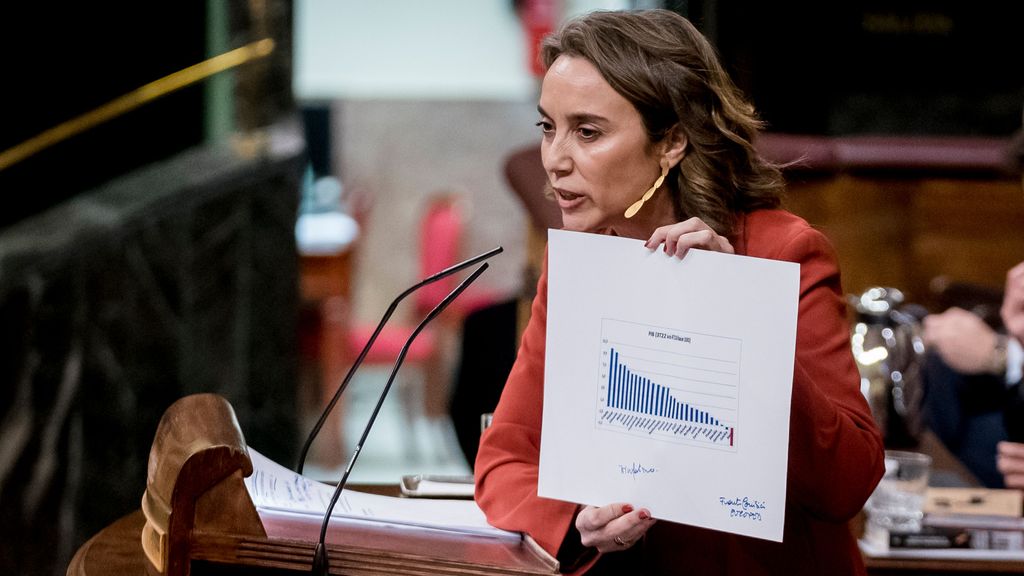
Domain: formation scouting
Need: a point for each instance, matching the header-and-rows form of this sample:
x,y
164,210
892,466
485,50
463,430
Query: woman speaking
x,y
645,136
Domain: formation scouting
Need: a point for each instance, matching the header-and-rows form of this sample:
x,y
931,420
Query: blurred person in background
x,y
974,398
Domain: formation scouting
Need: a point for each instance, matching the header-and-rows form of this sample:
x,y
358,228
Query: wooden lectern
x,y
198,517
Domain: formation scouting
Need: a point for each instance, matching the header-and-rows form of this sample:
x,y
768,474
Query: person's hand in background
x,y
1010,461
1012,310
965,342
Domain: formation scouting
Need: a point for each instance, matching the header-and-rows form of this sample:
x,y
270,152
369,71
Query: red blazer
x,y
836,456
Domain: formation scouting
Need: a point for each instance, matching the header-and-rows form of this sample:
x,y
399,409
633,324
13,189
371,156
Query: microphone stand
x,y
321,563
366,349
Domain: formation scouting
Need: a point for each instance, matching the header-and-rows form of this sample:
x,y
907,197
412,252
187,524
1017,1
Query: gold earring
x,y
632,210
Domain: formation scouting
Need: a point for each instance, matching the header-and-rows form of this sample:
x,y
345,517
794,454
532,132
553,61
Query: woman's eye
x,y
545,126
587,133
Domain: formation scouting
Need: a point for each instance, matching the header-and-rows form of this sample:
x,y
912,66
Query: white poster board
x,y
668,382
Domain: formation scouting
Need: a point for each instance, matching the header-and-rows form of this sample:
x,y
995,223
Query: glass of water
x,y
897,503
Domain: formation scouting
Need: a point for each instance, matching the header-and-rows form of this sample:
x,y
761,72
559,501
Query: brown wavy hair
x,y
668,70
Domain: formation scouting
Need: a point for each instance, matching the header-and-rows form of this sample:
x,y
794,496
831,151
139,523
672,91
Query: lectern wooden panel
x,y
198,512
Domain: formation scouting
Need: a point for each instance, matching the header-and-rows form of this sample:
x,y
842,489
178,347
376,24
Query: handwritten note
x,y
668,382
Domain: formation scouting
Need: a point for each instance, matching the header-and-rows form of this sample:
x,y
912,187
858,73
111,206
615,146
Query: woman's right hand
x,y
614,527
678,238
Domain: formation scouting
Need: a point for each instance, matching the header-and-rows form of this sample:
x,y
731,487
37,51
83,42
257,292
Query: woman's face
x,y
596,153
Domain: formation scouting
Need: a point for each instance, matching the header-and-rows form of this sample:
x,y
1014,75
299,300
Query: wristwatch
x,y
997,363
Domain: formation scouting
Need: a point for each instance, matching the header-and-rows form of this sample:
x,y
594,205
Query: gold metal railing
x,y
135,98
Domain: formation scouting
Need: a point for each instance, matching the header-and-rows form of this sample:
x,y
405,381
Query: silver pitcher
x,y
887,345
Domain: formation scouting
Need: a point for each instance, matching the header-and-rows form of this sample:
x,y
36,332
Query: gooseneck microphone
x,y
321,563
369,343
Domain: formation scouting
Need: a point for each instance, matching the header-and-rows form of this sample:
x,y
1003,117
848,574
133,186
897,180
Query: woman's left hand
x,y
692,233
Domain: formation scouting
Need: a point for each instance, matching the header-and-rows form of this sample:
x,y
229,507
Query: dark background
x,y
875,67
66,59
934,67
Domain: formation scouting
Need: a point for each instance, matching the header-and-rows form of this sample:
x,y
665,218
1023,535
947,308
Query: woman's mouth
x,y
568,199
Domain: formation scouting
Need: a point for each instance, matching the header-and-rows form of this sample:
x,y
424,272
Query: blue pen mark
x,y
635,470
744,507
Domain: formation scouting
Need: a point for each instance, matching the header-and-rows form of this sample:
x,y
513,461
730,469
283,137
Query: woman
x,y
635,98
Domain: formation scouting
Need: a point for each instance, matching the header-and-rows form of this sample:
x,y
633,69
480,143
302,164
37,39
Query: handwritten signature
x,y
635,469
743,507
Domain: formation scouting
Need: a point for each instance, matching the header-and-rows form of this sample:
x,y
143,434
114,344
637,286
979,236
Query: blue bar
x,y
621,384
618,386
626,388
635,404
641,386
639,383
638,391
611,380
614,398
632,391
624,385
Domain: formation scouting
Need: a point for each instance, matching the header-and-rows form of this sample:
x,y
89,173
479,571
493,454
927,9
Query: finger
x,y
659,235
1017,272
1015,281
1011,449
704,239
593,518
635,525
1009,465
623,532
1014,481
632,528
669,234
1010,459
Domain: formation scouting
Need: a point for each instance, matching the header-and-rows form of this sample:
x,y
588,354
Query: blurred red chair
x,y
441,233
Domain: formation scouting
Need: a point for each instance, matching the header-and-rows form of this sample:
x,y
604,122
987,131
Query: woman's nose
x,y
556,157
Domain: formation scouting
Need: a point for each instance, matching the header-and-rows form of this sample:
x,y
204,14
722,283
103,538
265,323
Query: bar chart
x,y
669,384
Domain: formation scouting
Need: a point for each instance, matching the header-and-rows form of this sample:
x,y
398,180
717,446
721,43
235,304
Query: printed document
x,y
668,382
273,487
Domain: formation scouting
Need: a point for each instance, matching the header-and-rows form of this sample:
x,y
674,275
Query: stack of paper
x,y
273,487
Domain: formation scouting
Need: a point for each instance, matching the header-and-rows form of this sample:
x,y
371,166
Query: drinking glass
x,y
897,503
